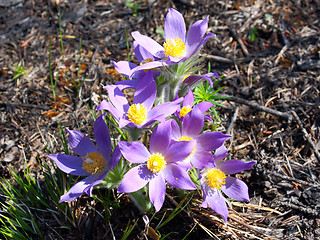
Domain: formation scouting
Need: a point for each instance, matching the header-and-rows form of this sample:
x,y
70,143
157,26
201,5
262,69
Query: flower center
x,y
156,163
93,163
186,138
174,47
216,178
147,60
184,111
137,113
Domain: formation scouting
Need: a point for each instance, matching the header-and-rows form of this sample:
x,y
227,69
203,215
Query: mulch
x,y
268,53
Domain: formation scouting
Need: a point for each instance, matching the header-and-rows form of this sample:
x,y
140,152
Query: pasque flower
x,y
158,165
92,162
141,113
195,78
178,45
191,128
214,181
146,59
187,105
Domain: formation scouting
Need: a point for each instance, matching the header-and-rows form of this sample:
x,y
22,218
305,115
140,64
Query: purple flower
x,y
191,128
92,162
189,80
178,45
141,113
187,106
214,179
158,165
146,59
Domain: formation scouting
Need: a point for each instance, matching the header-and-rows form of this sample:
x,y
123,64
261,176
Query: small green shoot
x,y
160,31
133,6
52,80
128,230
19,70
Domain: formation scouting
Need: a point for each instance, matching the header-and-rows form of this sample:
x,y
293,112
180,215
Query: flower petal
x,y
115,157
78,189
234,166
69,164
135,179
178,177
134,152
157,191
217,203
141,52
104,105
236,189
96,181
201,159
80,143
102,136
188,99
196,33
178,151
117,98
204,106
124,84
124,67
174,25
220,154
212,140
192,123
147,66
149,44
146,90
125,122
163,110
193,50
175,130
160,138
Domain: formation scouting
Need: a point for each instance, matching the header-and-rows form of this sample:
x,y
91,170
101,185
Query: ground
x,y
267,53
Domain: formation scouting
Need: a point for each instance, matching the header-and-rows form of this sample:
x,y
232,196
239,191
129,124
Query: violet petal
x,y
157,190
134,152
174,25
135,179
80,143
178,177
236,189
69,164
234,166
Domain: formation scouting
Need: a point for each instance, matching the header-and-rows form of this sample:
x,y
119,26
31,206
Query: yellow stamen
x,y
184,111
215,178
174,47
137,113
156,163
147,60
93,162
186,138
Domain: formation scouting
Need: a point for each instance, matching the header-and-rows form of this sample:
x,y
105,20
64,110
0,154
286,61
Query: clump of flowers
x,y
93,162
164,135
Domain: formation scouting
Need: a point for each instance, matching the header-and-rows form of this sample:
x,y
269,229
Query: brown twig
x,y
24,105
295,180
219,59
307,136
237,37
233,120
259,107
